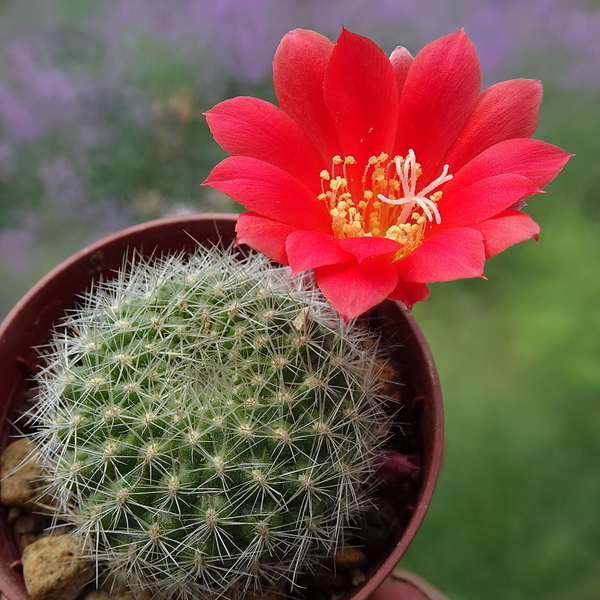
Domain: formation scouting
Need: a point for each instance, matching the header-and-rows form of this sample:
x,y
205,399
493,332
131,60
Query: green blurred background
x,y
101,127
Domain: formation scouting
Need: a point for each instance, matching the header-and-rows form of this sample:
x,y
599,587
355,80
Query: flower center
x,y
390,206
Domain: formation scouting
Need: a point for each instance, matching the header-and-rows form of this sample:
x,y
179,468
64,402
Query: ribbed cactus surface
x,y
209,423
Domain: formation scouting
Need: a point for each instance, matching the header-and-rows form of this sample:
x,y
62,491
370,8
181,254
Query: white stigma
x,y
407,172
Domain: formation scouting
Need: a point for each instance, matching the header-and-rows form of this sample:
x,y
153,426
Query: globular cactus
x,y
209,423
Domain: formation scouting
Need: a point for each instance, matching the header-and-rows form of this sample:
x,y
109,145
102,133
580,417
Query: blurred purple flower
x,y
35,95
66,192
245,35
16,246
61,183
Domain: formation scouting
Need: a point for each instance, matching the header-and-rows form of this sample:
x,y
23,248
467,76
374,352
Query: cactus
x,y
209,423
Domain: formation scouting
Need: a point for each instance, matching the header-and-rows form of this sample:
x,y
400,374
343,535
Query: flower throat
x,y
390,206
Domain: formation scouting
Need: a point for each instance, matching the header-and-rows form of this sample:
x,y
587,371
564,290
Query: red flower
x,y
382,174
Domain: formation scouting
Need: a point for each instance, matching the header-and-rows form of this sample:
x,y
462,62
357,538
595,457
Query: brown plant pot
x,y
29,324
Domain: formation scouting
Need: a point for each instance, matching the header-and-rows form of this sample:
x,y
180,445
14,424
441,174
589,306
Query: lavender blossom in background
x,y
40,96
15,247
564,33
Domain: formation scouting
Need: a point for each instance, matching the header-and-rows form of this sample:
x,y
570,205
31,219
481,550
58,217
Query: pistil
x,y
408,170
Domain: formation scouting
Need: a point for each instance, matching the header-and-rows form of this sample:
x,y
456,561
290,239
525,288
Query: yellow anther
x,y
337,160
350,160
324,174
342,205
382,157
415,216
352,211
334,212
436,196
368,195
372,160
322,196
337,183
421,220
376,231
362,204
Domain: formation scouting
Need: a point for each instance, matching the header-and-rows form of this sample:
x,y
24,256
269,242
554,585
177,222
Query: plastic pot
x,y
29,324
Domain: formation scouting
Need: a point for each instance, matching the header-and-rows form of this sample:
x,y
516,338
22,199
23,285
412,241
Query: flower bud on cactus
x,y
209,423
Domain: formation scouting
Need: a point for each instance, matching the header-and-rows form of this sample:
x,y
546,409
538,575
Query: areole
x,y
29,324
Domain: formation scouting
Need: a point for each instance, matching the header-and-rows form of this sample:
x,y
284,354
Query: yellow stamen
x,y
391,204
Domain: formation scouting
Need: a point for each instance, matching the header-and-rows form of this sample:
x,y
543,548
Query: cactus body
x,y
209,423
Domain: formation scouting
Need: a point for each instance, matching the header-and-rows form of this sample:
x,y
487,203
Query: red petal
x,y
354,287
270,192
368,247
308,250
298,73
447,255
409,292
264,235
538,161
246,126
401,60
361,93
507,110
484,199
508,228
439,95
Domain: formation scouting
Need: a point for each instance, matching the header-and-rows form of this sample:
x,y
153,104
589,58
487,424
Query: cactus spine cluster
x,y
209,423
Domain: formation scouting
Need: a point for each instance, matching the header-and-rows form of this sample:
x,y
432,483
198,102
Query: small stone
x,y
391,382
20,475
273,593
13,514
357,577
56,568
377,526
30,523
99,595
104,594
324,584
28,538
115,589
349,559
